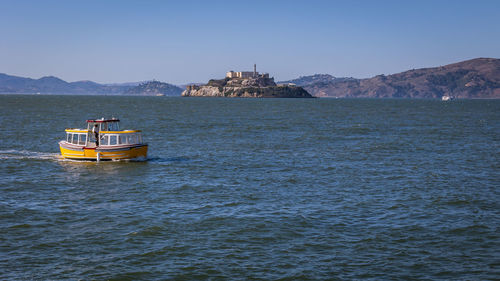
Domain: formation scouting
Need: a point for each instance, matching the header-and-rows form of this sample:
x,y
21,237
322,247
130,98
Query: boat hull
x,y
125,152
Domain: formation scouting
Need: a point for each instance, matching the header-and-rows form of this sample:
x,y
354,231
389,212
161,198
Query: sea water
x,y
265,189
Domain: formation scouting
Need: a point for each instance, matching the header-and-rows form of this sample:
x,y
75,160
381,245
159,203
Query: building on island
x,y
246,74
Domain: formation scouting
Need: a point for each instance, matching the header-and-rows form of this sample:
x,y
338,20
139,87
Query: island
x,y
246,84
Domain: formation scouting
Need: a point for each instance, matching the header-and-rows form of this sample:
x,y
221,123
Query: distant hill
x,y
154,88
316,79
132,84
476,78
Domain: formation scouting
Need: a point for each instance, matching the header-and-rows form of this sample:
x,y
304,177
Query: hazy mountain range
x,y
53,85
476,78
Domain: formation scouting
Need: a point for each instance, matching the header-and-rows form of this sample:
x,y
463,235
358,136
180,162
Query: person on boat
x,y
95,130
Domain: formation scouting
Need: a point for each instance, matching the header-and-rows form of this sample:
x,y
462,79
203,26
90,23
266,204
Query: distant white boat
x,y
446,98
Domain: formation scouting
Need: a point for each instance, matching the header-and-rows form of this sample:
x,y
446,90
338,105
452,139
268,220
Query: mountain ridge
x,y
475,78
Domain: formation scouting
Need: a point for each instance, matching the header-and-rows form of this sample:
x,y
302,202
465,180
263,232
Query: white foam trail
x,y
25,154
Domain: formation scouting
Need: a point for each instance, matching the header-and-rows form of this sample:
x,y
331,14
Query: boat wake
x,y
25,154
13,154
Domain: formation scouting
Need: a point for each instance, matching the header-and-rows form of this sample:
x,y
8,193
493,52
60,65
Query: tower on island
x,y
247,74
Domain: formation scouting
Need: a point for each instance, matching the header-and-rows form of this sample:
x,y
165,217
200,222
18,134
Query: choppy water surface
x,y
254,189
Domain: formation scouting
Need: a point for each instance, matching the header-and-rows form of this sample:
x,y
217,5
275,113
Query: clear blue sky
x,y
193,41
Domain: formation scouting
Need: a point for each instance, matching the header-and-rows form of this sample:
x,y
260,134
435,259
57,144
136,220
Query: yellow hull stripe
x,y
91,154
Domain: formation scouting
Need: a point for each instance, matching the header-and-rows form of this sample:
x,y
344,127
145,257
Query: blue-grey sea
x,y
261,189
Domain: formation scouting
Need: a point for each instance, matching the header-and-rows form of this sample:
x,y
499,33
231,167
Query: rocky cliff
x,y
258,87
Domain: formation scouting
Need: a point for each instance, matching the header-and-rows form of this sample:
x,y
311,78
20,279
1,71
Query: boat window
x,y
113,140
130,138
81,139
68,137
114,126
122,139
74,139
105,140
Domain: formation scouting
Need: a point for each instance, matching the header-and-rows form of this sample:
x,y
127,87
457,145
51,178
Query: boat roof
x,y
102,120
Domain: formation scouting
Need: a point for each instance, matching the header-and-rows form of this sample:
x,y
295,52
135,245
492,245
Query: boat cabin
x,y
102,124
106,131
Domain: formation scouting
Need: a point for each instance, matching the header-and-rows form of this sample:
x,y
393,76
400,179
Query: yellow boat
x,y
103,140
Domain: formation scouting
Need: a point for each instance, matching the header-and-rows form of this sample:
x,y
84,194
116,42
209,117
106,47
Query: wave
x,y
167,160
